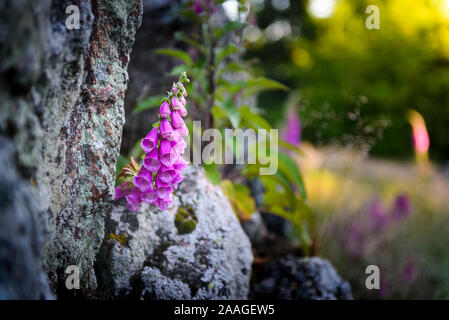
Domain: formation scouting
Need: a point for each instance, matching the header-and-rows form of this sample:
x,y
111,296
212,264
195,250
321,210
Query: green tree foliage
x,y
355,85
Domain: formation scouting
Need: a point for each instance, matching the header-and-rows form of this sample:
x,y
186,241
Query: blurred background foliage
x,y
341,95
354,85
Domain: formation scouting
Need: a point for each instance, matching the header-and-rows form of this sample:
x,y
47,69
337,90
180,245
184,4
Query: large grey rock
x,y
144,255
21,234
83,117
294,278
61,102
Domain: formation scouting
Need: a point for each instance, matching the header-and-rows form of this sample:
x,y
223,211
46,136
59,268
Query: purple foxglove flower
x,y
151,161
144,180
164,203
183,101
183,131
164,110
176,120
175,104
122,190
182,111
163,190
179,146
165,128
166,174
180,164
150,141
176,180
401,207
133,199
149,197
167,155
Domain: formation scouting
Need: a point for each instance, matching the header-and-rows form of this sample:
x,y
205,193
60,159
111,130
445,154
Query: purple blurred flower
x,y
354,241
292,130
408,272
379,216
199,6
401,207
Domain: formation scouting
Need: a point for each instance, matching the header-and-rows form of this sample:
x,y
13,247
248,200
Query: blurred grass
x,y
412,254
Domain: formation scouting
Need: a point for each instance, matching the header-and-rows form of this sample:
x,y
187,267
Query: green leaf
x,y
233,67
179,69
148,103
289,168
259,84
240,198
182,36
253,120
289,146
120,164
222,53
228,27
233,113
175,53
218,113
212,174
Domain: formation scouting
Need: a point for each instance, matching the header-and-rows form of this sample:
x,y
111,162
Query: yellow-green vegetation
x,y
120,238
411,252
185,219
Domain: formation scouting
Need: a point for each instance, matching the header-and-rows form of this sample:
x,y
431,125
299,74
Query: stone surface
x,y
144,256
82,111
294,278
21,234
61,101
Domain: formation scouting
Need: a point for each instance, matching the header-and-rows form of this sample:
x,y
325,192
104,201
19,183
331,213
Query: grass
x,y
346,188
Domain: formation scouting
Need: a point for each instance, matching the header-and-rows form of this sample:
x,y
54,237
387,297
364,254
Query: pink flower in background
x,y
354,241
379,216
421,138
408,272
162,166
199,6
401,207
292,130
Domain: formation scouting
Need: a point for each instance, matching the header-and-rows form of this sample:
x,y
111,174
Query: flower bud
x,y
164,110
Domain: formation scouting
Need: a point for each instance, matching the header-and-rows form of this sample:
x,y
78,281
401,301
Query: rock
x,y
21,234
294,278
255,228
145,256
61,101
81,99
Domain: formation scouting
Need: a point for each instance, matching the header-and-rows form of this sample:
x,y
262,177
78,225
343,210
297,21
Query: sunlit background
x,y
374,111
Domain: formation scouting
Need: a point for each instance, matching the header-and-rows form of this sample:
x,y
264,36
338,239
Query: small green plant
x,y
223,84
